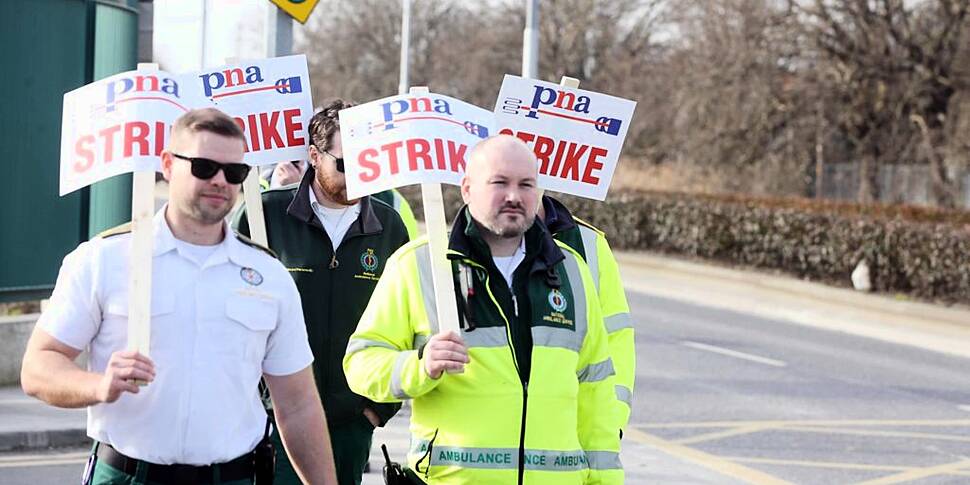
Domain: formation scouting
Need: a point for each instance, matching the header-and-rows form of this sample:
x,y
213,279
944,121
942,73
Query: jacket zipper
x,y
515,361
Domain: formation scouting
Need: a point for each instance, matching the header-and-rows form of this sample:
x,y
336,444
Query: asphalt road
x,y
760,401
795,404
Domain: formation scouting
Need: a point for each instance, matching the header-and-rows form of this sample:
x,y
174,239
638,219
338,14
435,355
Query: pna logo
x,y
215,83
562,104
422,108
138,87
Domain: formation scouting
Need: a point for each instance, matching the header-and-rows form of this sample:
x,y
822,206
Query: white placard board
x,y
409,139
576,134
269,99
121,124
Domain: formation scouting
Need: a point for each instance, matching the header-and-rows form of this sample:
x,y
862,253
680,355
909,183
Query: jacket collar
x,y
466,239
558,218
367,222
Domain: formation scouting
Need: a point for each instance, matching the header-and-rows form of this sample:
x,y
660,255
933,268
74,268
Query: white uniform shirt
x,y
215,329
336,221
508,264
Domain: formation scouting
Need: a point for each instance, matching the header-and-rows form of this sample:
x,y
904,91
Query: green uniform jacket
x,y
591,244
534,404
334,288
394,199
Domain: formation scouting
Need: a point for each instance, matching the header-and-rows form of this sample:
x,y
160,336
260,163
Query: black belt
x,y
238,469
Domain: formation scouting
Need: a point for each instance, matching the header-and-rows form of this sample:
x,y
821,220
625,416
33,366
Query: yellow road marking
x,y
919,473
820,464
874,432
711,462
776,424
721,434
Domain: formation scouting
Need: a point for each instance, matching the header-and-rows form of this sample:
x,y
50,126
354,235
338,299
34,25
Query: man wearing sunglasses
x,y
224,313
335,248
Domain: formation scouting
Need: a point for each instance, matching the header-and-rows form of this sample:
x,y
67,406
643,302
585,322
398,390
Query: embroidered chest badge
x,y
369,260
251,276
557,300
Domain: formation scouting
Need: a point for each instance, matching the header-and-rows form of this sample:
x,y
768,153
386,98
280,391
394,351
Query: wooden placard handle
x,y
140,256
434,218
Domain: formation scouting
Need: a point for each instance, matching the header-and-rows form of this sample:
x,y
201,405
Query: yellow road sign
x,y
298,9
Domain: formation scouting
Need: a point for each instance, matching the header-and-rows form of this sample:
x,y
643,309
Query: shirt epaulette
x,y
115,231
587,224
253,244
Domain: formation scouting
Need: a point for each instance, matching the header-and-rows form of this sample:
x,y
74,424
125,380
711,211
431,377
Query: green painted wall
x,y
51,47
116,50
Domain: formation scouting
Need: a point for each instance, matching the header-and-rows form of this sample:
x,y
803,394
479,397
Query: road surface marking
x,y
716,435
734,353
711,462
776,424
964,407
876,432
918,473
17,461
819,464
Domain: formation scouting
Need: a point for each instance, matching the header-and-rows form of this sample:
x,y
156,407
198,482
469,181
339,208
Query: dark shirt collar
x,y
558,218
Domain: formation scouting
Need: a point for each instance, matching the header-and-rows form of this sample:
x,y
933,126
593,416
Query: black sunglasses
x,y
205,169
340,161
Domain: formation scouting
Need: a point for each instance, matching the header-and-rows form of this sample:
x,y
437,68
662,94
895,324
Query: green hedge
x,y
921,252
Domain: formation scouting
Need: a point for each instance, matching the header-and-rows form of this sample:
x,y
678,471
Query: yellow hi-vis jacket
x,y
472,428
616,315
592,245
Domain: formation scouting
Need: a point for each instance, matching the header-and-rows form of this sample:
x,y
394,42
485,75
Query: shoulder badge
x,y
115,231
253,244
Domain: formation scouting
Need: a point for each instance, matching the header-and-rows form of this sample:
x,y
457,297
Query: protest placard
x,y
577,135
409,139
119,124
269,99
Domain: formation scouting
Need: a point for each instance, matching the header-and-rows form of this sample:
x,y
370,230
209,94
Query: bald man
x,y
524,392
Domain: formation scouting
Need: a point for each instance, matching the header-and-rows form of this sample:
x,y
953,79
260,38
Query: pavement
x,y
29,425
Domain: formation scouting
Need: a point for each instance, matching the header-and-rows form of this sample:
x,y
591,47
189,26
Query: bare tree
x,y
893,65
757,94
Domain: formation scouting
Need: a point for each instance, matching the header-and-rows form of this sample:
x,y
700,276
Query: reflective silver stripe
x,y
423,256
485,337
504,458
358,344
592,255
604,460
624,395
419,340
564,338
397,387
579,294
618,322
396,200
596,372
